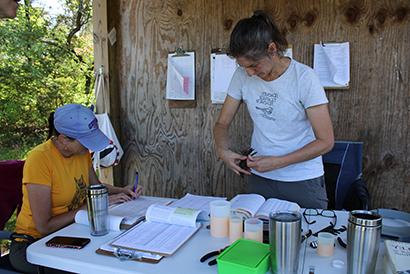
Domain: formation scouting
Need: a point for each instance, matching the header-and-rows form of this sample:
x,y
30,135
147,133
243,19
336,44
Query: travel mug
x,y
285,239
97,208
363,241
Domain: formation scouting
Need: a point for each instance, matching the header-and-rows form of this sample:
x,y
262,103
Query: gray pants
x,y
307,193
19,262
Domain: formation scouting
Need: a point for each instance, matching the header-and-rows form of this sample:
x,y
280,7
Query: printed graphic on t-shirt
x,y
80,193
265,104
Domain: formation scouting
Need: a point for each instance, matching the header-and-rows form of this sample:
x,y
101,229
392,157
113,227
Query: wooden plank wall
x,y
173,148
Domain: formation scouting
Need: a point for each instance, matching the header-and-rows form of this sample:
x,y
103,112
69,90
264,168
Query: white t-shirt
x,y
280,123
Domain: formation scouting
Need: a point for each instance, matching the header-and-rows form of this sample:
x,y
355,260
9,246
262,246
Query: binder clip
x,y
126,254
180,52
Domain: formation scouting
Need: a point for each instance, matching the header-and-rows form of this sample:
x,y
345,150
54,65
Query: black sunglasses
x,y
321,212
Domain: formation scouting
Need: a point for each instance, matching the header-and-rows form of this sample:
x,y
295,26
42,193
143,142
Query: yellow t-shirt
x,y
67,177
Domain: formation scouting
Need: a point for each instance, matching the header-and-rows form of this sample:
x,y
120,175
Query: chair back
x,y
11,176
343,167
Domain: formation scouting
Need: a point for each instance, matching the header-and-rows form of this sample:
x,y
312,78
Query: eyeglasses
x,y
323,212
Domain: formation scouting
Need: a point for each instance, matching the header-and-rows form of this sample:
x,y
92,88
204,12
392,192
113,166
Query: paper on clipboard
x,y
288,52
331,63
222,70
164,231
181,77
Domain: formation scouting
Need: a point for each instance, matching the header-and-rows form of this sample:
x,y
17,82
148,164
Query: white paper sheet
x,y
288,52
114,222
126,213
172,215
181,77
135,209
222,70
332,65
197,202
155,237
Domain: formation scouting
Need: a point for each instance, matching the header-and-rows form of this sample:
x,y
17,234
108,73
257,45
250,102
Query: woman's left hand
x,y
264,163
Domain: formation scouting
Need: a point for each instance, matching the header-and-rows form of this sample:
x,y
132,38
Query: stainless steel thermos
x,y
285,240
363,240
97,207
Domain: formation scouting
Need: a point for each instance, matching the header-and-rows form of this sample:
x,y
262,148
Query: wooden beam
x,y
101,65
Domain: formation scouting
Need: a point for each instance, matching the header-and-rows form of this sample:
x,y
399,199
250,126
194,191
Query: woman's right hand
x,y
232,159
118,198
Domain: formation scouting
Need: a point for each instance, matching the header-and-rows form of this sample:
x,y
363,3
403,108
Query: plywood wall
x,y
173,148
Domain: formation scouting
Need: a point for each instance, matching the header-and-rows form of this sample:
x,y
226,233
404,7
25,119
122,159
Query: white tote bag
x,y
111,155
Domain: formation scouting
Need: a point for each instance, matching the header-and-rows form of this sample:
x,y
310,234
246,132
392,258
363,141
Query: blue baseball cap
x,y
79,122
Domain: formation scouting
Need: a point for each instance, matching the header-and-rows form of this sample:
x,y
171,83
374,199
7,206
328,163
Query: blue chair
x,y
343,176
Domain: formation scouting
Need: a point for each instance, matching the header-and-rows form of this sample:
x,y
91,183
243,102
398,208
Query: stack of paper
x,y
397,257
222,70
332,65
181,77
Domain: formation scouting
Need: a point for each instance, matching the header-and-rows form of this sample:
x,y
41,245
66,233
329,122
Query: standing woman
x,y
55,178
289,110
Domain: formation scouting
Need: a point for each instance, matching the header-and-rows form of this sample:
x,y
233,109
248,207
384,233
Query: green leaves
x,y
40,69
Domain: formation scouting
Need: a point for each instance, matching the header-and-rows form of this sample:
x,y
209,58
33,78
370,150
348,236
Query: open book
x,y
397,257
125,215
197,202
164,231
255,205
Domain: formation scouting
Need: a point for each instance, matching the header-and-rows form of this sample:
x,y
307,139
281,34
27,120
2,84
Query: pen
x,y
136,182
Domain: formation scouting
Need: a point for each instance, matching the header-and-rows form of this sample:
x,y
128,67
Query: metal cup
x,y
97,208
363,241
285,240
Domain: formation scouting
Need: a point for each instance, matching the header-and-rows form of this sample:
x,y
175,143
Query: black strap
x,y
25,237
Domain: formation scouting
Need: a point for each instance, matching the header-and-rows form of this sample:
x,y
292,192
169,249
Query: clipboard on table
x,y
180,86
331,62
124,254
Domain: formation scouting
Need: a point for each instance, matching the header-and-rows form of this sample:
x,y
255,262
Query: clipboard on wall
x,y
331,62
289,51
180,86
222,69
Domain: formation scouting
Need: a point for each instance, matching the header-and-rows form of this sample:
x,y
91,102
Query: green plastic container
x,y
244,257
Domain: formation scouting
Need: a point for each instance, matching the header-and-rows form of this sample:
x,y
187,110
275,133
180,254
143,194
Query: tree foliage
x,y
44,63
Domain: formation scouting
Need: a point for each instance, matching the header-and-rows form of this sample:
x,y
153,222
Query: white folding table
x,y
185,260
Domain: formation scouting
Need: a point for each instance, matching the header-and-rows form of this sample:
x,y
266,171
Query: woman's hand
x,y
129,190
124,194
118,198
264,163
233,159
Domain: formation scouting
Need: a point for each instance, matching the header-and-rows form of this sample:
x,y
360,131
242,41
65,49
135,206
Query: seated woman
x,y
55,178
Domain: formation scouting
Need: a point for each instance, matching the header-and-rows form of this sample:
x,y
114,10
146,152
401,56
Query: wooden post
x,y
101,64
